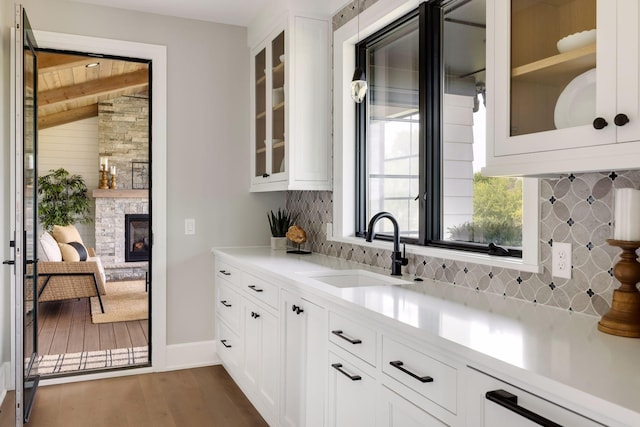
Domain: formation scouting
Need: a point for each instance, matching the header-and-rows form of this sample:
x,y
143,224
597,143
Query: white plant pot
x,y
279,243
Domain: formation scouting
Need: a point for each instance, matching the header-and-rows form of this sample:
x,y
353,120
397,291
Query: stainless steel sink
x,y
354,278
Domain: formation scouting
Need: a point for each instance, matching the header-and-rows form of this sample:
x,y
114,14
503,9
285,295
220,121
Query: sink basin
x,y
354,278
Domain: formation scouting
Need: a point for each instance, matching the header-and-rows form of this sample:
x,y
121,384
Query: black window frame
x,y
430,15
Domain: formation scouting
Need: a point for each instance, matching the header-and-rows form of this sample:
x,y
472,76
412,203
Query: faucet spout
x,y
397,259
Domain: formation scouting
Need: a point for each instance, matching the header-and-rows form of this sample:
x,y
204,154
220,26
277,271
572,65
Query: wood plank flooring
x,y
65,327
202,397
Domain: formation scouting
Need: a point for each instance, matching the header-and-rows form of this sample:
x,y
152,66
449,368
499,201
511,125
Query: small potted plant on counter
x,y
279,224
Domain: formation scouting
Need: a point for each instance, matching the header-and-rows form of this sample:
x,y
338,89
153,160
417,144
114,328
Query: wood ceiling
x,y
69,89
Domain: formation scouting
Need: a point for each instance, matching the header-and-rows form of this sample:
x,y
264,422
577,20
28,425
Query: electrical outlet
x,y
561,260
189,226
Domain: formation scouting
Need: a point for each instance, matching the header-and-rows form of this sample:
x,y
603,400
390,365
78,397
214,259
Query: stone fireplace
x,y
112,206
136,237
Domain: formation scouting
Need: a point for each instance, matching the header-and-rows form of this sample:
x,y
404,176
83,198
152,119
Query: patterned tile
x,y
586,199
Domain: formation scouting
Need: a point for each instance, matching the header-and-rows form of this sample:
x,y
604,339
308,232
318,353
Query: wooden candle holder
x,y
623,319
103,179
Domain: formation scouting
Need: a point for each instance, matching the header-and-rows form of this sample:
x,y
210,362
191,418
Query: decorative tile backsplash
x,y
577,209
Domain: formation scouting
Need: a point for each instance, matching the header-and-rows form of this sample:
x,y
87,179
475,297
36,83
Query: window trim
x,y
342,230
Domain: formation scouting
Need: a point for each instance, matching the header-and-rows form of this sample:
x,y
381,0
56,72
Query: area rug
x,y
122,302
90,360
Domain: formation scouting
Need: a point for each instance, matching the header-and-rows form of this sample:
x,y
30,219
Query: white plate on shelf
x,y
576,105
576,40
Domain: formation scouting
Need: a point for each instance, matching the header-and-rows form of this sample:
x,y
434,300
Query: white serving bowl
x,y
576,40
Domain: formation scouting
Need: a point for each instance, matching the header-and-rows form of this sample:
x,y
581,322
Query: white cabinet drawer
x,y
354,337
492,402
421,373
228,305
261,290
229,347
228,272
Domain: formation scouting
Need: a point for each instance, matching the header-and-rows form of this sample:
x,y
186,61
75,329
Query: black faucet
x,y
397,259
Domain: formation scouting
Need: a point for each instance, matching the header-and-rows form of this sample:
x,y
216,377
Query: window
x,y
420,135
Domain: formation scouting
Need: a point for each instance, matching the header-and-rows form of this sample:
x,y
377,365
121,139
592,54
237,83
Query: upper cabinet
x,y
564,77
290,114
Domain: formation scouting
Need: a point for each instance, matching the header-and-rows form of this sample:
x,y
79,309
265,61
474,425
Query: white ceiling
x,y
235,12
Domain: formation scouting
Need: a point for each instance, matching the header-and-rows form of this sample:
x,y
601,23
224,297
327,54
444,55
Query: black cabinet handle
x,y
398,365
8,262
338,367
297,309
224,302
621,119
339,333
254,315
225,272
265,175
224,343
510,401
253,288
599,123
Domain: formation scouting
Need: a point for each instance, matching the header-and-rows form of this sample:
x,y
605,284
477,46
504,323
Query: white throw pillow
x,y
50,249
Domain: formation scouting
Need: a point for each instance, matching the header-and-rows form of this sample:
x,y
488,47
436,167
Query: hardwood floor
x,y
65,327
199,397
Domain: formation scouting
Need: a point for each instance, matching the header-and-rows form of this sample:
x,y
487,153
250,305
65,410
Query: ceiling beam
x,y
64,117
49,63
136,79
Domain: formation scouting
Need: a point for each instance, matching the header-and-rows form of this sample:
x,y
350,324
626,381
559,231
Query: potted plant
x,y
63,199
279,224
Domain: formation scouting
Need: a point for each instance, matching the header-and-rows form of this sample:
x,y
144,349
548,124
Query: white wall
x,y
6,14
208,145
73,146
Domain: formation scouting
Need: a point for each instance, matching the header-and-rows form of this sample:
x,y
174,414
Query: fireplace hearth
x,y
136,235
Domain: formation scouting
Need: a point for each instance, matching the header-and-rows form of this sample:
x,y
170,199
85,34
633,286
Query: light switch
x,y
189,226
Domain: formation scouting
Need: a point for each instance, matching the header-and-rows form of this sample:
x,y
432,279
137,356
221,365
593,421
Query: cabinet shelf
x,y
261,80
278,68
261,115
556,69
279,106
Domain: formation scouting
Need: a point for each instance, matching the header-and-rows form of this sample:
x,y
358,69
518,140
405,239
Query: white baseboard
x,y
5,379
191,355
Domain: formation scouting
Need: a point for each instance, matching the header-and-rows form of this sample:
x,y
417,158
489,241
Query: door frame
x,y
158,55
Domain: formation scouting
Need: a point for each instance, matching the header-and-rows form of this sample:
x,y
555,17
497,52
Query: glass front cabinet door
x,y
269,143
564,76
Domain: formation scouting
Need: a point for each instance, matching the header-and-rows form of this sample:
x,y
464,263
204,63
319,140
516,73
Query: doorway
x,y
93,123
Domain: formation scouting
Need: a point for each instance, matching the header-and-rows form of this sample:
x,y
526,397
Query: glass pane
x,y
476,208
552,65
278,101
393,127
260,65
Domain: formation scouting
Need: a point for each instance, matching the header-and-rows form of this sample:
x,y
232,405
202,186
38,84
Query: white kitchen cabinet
x,y
290,114
553,112
352,393
395,411
304,351
491,402
261,367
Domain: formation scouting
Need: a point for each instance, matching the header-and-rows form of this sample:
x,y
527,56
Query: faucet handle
x,y
404,260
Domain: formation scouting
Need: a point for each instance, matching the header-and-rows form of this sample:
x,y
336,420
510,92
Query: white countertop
x,y
545,346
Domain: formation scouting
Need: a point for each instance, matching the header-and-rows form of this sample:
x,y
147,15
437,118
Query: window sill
x,y
475,258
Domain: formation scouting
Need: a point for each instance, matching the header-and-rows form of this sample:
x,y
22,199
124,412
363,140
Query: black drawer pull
x,y
510,401
398,365
225,272
253,288
297,309
338,367
339,333
224,343
254,315
224,302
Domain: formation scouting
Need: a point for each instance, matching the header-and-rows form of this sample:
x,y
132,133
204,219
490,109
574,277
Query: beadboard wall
x,y
574,208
